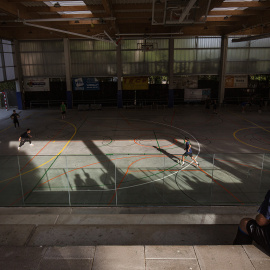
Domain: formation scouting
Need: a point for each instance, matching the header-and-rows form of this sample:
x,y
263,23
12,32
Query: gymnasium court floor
x,y
129,157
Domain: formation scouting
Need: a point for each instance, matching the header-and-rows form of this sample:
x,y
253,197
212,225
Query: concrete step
x,y
81,235
120,226
134,258
125,215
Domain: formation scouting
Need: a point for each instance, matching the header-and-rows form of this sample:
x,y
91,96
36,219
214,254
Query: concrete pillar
x,y
171,62
222,69
68,73
18,74
119,76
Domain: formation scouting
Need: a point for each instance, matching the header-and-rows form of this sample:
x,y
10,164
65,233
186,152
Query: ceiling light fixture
x,y
57,5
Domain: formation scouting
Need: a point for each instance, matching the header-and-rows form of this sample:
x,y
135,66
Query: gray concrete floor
x,y
128,157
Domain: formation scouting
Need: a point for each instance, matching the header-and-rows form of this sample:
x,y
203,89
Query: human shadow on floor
x,y
169,155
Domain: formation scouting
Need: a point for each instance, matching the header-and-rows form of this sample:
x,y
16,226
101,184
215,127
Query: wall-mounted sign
x,y
183,82
135,83
36,84
193,95
236,81
85,84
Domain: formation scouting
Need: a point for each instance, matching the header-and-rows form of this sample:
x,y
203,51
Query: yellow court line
x,y
234,135
14,177
257,126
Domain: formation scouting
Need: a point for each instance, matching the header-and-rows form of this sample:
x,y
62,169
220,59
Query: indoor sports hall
x,y
134,134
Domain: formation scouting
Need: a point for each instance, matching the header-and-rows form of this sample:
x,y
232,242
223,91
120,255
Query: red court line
x,y
215,181
64,174
124,178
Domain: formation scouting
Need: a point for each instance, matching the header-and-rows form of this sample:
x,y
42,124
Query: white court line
x,y
120,188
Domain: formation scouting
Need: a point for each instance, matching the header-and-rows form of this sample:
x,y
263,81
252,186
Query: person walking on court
x,y
188,152
25,137
257,229
63,109
15,117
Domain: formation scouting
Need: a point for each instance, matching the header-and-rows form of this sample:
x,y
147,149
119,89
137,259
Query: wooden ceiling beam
x,y
253,4
76,8
236,12
17,10
99,8
251,23
229,19
108,7
200,13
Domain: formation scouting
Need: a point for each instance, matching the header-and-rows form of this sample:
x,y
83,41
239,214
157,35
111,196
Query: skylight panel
x,y
74,12
229,8
241,0
224,9
66,3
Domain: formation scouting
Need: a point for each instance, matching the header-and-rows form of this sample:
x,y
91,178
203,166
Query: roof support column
x,y
171,62
222,69
68,72
119,76
18,74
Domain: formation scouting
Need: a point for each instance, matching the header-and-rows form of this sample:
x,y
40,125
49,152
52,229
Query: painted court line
x,y
14,177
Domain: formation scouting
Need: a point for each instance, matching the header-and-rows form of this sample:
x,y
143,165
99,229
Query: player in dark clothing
x,y
257,229
15,117
188,152
25,137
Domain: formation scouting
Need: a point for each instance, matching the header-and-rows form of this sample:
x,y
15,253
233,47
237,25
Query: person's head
x,y
28,130
63,102
14,111
186,139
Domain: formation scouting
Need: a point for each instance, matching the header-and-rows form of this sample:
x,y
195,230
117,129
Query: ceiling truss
x,y
34,19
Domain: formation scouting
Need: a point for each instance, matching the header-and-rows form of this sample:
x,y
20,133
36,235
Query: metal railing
x,y
133,180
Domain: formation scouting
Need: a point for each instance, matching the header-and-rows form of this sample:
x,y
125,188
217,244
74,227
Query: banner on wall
x,y
192,95
36,84
236,81
135,83
185,82
86,83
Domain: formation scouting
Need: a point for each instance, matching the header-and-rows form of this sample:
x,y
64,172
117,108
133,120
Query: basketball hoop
x,y
147,46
